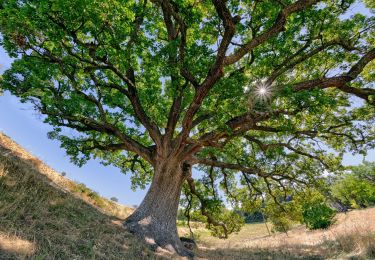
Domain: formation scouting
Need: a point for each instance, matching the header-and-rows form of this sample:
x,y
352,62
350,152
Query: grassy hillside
x,y
45,216
9,147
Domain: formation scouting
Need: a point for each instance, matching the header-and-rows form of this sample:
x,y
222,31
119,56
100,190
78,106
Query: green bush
x,y
283,214
281,223
316,213
114,199
307,206
232,221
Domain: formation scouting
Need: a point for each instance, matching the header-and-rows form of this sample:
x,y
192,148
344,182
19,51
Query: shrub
x,y
307,206
283,213
233,222
114,199
316,213
81,188
281,223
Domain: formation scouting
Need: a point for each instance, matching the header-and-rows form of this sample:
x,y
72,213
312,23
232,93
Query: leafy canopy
x,y
356,188
257,95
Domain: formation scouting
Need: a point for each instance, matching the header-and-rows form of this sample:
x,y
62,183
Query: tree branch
x,y
277,27
341,81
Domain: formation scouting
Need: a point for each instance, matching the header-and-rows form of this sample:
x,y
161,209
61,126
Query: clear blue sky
x,y
23,125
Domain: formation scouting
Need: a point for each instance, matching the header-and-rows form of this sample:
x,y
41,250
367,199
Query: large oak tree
x,y
256,94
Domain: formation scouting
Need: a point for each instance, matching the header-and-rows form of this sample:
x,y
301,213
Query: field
x,y
46,216
351,237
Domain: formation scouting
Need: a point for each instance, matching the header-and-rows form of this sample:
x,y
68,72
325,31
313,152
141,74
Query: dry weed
x,y
353,235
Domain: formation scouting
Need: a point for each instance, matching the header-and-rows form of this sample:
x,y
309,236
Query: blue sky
x,y
23,125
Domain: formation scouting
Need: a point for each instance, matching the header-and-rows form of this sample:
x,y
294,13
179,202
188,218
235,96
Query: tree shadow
x,y
57,223
302,252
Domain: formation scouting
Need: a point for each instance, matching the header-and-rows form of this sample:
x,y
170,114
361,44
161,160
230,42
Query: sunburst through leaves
x,y
262,92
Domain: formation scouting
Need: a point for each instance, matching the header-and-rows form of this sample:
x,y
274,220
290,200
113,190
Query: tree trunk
x,y
155,219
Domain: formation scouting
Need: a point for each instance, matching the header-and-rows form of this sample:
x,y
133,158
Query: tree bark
x,y
155,219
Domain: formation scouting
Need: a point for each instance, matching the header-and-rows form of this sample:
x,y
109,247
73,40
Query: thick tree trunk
x,y
155,219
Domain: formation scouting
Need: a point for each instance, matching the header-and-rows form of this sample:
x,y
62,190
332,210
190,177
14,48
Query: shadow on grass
x,y
302,252
57,224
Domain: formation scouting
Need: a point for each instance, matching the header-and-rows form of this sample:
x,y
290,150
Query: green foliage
x,y
114,199
356,187
233,222
365,171
306,206
125,83
315,211
280,223
94,196
282,215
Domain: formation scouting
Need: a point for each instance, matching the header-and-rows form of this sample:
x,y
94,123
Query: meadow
x,y
351,237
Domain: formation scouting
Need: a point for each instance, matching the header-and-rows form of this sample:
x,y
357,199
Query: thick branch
x,y
277,27
291,62
231,166
215,72
100,64
341,81
287,145
85,123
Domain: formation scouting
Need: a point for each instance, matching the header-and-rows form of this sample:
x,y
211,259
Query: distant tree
x,y
251,93
114,199
282,212
63,173
356,188
365,171
306,206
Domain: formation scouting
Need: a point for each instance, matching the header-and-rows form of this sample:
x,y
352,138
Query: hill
x,y
46,216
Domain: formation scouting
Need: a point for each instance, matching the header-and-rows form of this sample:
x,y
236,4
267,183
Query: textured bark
x,y
155,219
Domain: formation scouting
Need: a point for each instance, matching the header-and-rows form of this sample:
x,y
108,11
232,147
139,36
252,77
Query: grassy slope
x,y
45,216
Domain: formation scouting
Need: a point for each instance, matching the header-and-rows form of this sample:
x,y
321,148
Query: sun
x,y
262,92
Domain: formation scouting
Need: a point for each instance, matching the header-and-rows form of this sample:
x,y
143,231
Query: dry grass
x,y
46,216
58,181
351,237
12,244
40,219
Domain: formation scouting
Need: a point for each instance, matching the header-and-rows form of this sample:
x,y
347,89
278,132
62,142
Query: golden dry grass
x,y
40,219
58,181
16,245
351,237
43,215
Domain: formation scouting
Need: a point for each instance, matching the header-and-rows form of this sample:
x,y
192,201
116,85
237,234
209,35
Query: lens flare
x,y
262,92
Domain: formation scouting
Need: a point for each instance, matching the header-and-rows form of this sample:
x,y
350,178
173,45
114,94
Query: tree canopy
x,y
356,187
257,95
